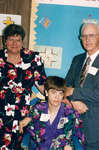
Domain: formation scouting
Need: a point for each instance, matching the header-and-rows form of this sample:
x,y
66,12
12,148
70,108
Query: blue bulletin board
x,y
58,25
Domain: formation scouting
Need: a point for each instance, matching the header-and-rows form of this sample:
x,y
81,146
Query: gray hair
x,y
89,21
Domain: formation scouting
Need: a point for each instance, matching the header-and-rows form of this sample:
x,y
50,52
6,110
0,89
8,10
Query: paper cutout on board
x,y
50,55
6,19
45,21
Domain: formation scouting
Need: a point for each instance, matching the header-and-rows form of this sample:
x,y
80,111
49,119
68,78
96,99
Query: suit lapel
x,y
81,61
96,62
90,77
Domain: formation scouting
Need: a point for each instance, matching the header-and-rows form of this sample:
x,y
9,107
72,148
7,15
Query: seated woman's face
x,y
55,97
14,44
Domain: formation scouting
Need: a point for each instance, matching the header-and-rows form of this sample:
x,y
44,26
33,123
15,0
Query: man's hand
x,y
79,106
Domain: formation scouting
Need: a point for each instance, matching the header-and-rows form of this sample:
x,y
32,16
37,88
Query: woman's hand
x,y
66,101
67,147
23,123
69,91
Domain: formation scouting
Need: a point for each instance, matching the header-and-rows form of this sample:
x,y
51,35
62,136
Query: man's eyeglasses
x,y
91,36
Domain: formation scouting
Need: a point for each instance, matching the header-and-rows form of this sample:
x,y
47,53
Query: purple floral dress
x,y
55,136
16,82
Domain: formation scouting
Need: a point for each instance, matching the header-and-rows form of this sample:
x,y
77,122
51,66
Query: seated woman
x,y
53,124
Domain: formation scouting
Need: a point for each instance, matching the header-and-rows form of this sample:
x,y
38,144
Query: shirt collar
x,y
93,56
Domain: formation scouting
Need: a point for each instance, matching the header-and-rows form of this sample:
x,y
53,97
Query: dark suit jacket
x,y
89,94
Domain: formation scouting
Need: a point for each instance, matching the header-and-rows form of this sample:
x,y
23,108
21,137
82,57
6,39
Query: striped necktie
x,y
84,71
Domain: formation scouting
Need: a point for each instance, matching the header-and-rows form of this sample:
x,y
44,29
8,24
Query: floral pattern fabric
x,y
55,136
16,82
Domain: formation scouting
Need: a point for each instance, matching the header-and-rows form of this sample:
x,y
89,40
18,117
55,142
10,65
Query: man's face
x,y
90,38
55,97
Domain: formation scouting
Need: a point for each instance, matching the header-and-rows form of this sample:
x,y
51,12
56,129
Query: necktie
x,y
84,71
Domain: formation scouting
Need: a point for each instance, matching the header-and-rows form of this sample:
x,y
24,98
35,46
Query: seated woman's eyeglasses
x,y
91,36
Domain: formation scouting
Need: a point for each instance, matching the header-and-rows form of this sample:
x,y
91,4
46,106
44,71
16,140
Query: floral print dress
x,y
16,82
55,136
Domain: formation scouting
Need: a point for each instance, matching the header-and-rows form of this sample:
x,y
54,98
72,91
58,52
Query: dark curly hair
x,y
12,29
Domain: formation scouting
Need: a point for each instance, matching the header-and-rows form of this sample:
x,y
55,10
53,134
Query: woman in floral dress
x,y
53,124
20,69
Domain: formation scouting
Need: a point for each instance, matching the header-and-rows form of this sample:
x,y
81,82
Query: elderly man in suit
x,y
83,83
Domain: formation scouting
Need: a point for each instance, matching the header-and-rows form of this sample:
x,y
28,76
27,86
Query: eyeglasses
x,y
91,36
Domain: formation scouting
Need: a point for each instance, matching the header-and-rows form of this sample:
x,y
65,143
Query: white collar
x,y
93,56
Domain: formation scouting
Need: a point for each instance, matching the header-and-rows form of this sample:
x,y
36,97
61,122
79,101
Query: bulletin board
x,y
54,31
